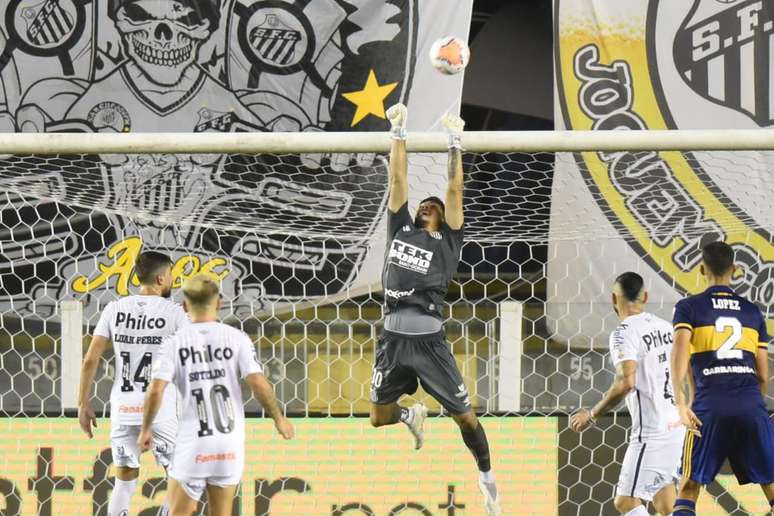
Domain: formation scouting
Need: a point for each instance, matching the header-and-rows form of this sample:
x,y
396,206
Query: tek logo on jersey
x,y
410,257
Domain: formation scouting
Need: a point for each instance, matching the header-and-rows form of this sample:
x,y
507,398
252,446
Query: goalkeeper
x,y
422,256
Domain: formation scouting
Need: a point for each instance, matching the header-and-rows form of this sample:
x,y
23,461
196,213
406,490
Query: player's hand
x,y
86,419
285,428
397,116
453,124
581,420
145,439
689,419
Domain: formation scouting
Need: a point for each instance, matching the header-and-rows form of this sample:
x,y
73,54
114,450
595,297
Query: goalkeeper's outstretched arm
x,y
398,181
456,186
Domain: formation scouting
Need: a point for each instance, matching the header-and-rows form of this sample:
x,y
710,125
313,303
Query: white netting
x,y
300,248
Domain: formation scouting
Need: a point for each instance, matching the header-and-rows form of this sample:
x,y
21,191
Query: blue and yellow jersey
x,y
726,332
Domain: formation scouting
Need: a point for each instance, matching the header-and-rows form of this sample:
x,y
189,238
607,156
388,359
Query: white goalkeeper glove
x,y
454,126
397,116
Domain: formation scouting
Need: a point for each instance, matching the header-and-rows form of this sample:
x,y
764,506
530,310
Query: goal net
x,y
295,230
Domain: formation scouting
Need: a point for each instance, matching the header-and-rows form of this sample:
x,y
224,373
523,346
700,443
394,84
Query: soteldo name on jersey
x,y
208,354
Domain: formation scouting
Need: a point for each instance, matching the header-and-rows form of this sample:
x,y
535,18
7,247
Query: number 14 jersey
x,y
205,362
726,332
137,325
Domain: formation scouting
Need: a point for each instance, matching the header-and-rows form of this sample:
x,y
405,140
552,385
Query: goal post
x,y
71,351
293,226
367,142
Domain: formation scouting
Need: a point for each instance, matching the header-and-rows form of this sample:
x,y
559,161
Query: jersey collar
x,y
719,288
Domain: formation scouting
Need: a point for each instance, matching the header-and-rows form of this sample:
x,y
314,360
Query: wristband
x,y
455,141
591,417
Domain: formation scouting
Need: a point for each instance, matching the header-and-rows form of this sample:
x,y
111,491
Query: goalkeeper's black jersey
x,y
418,265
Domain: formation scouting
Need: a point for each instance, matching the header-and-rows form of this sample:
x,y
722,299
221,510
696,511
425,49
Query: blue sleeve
x,y
398,219
683,316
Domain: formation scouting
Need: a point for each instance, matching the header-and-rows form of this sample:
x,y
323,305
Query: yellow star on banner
x,y
369,100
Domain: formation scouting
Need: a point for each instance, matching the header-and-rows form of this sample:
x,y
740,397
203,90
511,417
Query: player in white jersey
x,y
205,362
136,326
640,348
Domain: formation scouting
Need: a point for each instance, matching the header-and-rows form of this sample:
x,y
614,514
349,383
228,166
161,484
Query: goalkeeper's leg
x,y
441,378
391,380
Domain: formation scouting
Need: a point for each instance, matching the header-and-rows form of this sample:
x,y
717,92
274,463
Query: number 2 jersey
x,y
137,325
205,362
647,339
726,332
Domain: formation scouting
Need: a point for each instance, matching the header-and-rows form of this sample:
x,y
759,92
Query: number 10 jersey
x,y
205,362
137,325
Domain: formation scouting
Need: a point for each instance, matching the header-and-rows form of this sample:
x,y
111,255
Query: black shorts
x,y
403,362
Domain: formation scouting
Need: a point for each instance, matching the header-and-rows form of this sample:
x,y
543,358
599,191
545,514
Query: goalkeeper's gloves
x,y
454,126
397,115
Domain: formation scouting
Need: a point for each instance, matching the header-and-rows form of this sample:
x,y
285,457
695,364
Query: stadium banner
x,y
657,64
335,466
209,66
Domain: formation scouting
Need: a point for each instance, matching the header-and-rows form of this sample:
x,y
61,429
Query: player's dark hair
x,y
718,257
149,264
631,285
437,201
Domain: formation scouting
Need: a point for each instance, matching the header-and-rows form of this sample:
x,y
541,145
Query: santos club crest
x,y
725,52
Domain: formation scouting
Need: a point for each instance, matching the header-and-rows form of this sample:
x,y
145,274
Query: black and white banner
x,y
208,66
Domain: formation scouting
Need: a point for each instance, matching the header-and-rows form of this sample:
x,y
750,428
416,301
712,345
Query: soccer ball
x,y
449,55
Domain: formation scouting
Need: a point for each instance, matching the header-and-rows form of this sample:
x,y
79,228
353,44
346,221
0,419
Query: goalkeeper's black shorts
x,y
405,361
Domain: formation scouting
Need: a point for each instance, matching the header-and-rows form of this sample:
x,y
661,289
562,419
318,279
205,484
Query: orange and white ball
x,y
449,55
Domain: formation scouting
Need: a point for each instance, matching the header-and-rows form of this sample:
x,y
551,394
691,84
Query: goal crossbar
x,y
365,142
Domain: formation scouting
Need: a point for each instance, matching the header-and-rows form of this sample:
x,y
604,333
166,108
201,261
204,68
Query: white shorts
x,y
126,453
649,466
195,487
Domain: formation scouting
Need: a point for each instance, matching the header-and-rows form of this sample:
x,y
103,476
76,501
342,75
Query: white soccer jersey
x,y
205,361
647,339
137,325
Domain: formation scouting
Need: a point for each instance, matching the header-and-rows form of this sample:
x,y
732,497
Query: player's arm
x,y
681,388
456,186
624,382
762,369
264,393
153,398
398,179
87,419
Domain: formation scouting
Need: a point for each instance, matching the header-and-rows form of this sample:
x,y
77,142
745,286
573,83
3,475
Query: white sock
x,y
486,476
119,499
640,510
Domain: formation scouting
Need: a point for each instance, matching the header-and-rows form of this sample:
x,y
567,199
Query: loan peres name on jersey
x,y
153,340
